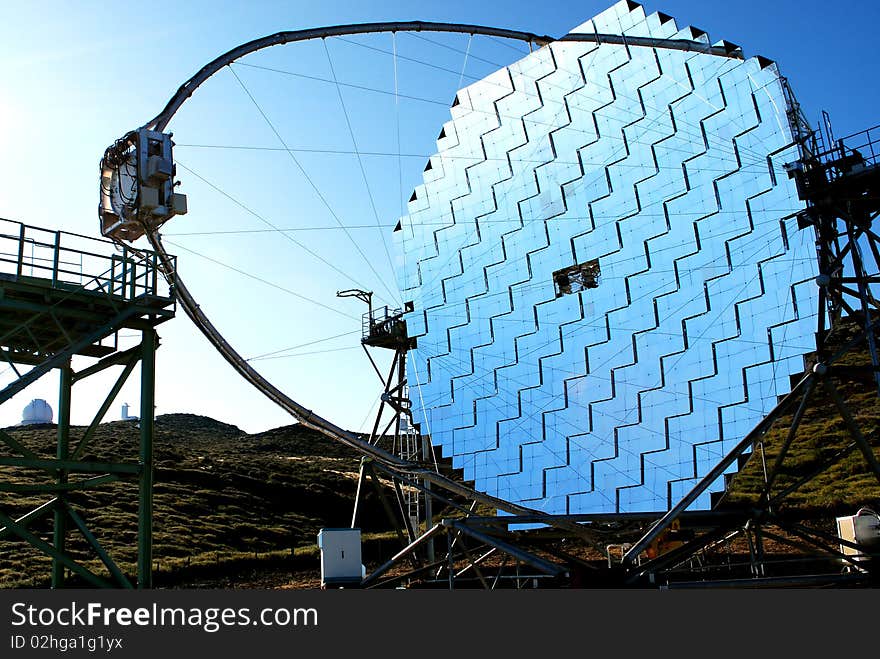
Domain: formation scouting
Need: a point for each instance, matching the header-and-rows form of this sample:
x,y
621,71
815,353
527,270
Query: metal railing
x,y
71,260
851,154
380,321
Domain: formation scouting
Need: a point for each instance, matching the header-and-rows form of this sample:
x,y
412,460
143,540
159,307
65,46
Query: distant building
x,y
125,415
37,411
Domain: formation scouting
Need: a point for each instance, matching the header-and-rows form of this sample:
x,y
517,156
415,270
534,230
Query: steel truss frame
x,y
72,469
305,416
840,187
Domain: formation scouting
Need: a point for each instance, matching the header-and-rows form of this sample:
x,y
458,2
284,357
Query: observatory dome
x,y
37,411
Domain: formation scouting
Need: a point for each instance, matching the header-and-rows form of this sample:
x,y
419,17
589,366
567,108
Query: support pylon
x,y
55,318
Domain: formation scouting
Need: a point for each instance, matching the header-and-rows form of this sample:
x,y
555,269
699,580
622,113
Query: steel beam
x,y
473,564
408,575
52,488
53,466
62,453
108,401
792,431
853,427
17,446
775,582
815,537
145,485
803,480
386,505
676,556
63,356
27,518
115,359
717,471
535,561
402,554
37,542
99,550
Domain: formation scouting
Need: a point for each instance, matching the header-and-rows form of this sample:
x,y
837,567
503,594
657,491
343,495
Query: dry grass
x,y
221,497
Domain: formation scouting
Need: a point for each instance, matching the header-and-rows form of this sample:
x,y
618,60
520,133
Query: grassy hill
x,y
222,498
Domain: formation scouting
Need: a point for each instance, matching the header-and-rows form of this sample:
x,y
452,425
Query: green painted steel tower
x,y
65,299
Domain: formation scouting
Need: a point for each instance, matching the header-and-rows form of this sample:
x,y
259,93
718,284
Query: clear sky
x,y
74,76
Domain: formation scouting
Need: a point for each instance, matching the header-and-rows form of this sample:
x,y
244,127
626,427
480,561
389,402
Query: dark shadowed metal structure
x,y
64,296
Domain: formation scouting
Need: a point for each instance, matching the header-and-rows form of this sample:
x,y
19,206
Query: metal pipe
x,y
450,566
357,495
160,122
403,553
474,563
27,518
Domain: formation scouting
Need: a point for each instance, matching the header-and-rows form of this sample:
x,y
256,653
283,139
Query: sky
x,y
75,76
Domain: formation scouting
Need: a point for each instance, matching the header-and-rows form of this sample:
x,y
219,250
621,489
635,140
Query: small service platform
x,y
60,289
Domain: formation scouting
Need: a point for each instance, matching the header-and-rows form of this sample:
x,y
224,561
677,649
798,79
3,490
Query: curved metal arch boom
x,y
200,319
186,90
160,121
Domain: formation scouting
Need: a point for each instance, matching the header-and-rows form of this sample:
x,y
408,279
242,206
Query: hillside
x,y
222,498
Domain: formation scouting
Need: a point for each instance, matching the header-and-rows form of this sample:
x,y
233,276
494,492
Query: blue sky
x,y
74,76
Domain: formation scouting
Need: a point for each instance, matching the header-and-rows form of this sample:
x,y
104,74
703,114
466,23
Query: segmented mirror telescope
x,y
609,286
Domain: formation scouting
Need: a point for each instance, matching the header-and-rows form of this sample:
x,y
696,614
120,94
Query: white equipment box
x,y
340,557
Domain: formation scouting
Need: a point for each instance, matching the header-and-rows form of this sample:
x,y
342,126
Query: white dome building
x,y
37,411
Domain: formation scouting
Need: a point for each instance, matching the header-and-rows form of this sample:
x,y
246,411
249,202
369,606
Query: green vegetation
x,y
222,497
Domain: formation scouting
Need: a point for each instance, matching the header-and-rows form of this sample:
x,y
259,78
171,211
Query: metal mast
x,y
384,327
